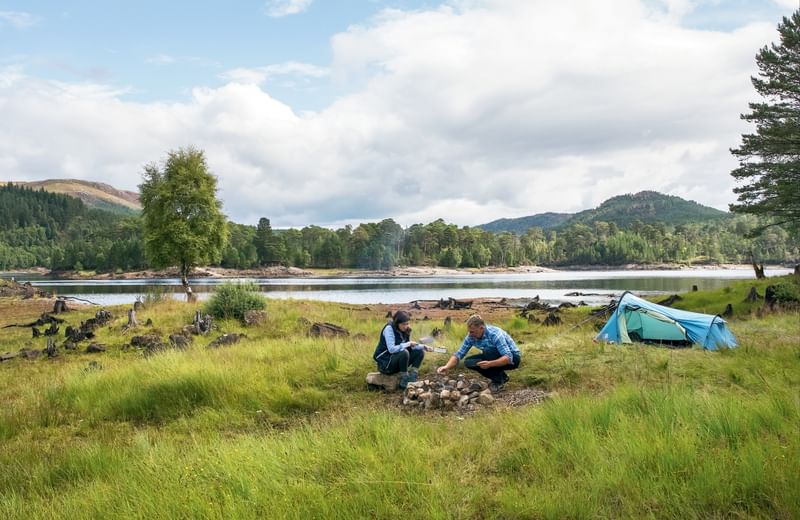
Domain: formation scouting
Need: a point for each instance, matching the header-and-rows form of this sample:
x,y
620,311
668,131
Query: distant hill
x,y
649,207
93,194
522,224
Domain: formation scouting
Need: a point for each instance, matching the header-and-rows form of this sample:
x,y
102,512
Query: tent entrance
x,y
647,326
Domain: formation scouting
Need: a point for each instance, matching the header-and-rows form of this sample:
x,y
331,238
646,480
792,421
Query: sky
x,y
323,112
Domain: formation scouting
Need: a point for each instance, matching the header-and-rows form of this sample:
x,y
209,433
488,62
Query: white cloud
x,y
790,4
472,111
260,75
279,8
17,19
161,59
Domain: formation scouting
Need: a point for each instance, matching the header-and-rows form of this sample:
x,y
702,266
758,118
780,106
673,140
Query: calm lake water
x,y
552,287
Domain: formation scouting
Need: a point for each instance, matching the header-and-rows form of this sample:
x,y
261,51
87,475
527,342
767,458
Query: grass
x,y
281,426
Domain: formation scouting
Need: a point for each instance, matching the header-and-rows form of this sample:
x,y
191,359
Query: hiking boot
x,y
405,379
496,387
412,375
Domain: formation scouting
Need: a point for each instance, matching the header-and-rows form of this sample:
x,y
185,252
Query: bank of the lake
x,y
402,285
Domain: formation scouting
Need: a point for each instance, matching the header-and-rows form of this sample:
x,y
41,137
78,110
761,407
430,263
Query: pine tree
x,y
769,160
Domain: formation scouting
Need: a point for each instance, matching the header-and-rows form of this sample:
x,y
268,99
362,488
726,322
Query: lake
x,y
550,286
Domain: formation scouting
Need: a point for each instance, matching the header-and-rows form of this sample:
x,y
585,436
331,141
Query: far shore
x,y
414,271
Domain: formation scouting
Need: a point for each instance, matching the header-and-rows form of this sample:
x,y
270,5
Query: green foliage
x,y
769,160
183,220
233,300
42,229
648,207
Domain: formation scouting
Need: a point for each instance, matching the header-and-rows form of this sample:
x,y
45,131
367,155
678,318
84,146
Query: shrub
x,y
233,300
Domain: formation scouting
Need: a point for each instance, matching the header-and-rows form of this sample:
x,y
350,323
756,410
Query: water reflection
x,y
553,287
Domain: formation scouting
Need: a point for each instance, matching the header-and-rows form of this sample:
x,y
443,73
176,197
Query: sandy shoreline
x,y
416,271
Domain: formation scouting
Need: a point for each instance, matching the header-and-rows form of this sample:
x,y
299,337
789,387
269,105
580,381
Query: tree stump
x,y
669,301
728,312
552,320
60,306
753,296
759,269
51,348
132,323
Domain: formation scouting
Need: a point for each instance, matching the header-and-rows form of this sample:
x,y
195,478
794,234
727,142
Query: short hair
x,y
475,321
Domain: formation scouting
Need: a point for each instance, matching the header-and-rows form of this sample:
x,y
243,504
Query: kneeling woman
x,y
396,353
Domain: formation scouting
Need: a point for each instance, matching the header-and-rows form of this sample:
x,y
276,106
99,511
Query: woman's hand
x,y
426,348
442,370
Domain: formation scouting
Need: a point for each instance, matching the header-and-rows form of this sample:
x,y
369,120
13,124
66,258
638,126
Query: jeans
x,y
400,361
496,374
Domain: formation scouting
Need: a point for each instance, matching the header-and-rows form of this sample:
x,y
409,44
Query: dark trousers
x,y
496,374
400,361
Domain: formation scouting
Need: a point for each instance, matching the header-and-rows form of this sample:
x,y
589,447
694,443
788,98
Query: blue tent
x,y
636,319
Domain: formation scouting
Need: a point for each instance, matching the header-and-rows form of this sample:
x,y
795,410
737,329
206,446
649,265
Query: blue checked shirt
x,y
492,337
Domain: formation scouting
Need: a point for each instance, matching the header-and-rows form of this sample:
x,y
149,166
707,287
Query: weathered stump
x,y
753,296
552,319
728,312
132,323
51,348
60,306
667,302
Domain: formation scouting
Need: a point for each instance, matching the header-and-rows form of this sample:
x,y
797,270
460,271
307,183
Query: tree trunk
x,y
759,269
131,319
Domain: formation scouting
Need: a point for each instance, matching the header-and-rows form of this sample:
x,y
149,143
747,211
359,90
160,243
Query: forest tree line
x,y
41,229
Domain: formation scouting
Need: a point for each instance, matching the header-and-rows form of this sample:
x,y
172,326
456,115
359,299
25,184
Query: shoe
x,y
412,375
404,380
497,387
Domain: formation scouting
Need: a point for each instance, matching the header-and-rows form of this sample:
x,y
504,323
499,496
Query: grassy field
x,y
281,425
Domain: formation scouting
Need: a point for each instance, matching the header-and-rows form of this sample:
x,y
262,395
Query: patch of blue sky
x,y
725,15
159,51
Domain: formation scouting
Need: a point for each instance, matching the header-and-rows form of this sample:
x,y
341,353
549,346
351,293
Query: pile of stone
x,y
442,392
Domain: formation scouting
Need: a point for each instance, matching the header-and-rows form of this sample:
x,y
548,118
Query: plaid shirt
x,y
492,337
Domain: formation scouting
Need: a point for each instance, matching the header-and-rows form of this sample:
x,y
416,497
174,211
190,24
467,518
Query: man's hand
x,y
442,370
485,364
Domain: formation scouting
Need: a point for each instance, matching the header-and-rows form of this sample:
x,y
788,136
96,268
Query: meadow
x,y
281,425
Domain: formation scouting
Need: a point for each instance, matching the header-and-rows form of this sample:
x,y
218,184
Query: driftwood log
x,y
327,330
44,319
453,304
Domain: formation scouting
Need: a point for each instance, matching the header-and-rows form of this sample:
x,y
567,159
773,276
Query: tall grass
x,y
281,426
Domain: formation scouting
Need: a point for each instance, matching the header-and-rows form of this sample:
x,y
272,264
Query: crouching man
x,y
498,354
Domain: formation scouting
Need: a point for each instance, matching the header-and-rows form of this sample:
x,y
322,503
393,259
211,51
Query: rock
x,y
28,353
386,382
179,341
5,356
95,347
485,397
226,339
253,318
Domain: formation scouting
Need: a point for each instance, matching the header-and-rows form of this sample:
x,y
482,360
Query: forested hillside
x,y
648,207
61,233
41,229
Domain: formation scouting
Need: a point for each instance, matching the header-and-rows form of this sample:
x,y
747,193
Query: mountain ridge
x,y
648,207
94,194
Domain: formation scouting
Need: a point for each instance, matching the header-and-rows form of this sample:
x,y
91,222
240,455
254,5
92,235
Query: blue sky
x,y
323,112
